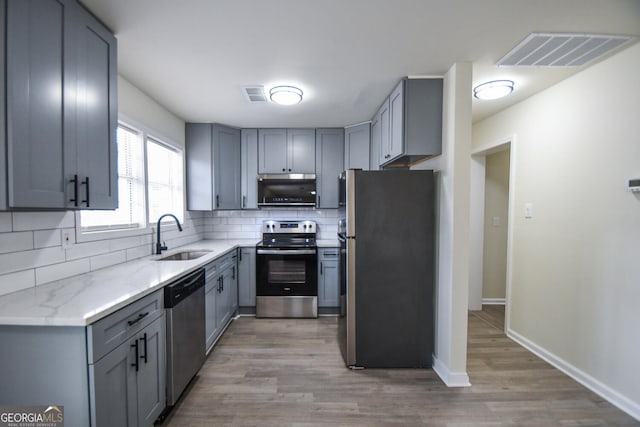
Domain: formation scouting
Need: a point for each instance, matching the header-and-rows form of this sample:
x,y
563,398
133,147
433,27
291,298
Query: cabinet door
x,y
249,168
328,283
223,300
329,163
151,376
396,121
356,146
233,289
272,150
3,139
383,117
247,278
36,82
96,111
226,160
199,152
114,393
374,148
211,292
301,146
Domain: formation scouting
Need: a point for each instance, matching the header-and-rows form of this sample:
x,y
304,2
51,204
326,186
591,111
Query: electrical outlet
x,y
66,239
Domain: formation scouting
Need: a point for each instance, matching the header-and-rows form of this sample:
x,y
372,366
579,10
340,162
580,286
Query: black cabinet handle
x,y
222,283
74,181
135,363
233,274
244,201
217,201
284,169
321,269
86,182
144,338
139,318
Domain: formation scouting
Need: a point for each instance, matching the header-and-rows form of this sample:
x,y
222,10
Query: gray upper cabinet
x,y
329,158
380,132
62,151
199,160
249,168
301,145
213,167
357,140
226,167
97,121
286,151
272,150
415,122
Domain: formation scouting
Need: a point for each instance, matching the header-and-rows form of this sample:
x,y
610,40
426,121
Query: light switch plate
x,y
528,210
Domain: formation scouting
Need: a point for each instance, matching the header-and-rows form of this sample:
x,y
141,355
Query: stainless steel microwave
x,y
291,189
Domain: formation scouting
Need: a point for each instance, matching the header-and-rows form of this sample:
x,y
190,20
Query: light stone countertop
x,y
84,299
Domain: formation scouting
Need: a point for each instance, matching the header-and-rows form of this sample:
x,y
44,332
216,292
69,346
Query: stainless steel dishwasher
x,y
184,303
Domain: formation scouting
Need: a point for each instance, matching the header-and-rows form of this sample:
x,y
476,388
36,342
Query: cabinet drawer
x,y
106,334
328,254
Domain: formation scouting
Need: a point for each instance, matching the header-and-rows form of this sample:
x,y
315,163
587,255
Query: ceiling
x,y
195,56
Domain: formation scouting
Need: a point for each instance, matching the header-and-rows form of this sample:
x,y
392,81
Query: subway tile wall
x,y
31,251
246,224
32,254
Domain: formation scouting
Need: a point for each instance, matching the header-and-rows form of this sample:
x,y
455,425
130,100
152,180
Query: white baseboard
x,y
612,396
493,301
451,379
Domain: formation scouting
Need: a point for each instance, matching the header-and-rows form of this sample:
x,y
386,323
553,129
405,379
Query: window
x,y
164,180
144,193
131,206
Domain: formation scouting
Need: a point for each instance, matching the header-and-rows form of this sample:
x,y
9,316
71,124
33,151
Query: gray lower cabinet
x,y
247,280
61,150
129,383
328,277
329,163
213,167
286,151
249,168
110,373
221,295
356,146
127,365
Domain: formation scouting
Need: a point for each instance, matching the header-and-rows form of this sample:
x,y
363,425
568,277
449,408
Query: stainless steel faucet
x,y
162,246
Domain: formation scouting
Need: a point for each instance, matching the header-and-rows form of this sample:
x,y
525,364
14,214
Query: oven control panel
x,y
283,226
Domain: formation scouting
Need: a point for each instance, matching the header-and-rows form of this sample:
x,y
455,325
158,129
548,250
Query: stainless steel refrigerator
x,y
386,231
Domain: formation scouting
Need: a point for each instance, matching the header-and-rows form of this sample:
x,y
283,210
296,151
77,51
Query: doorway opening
x,y
491,207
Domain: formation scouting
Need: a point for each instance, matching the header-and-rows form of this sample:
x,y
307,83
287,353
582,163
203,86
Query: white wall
x,y
452,265
31,251
575,290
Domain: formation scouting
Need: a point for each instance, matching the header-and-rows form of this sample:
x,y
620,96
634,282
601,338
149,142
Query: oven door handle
x,y
286,251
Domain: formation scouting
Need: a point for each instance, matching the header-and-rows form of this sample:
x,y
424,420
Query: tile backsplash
x,y
32,252
246,224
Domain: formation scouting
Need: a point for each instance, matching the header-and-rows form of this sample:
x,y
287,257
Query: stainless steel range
x,y
286,270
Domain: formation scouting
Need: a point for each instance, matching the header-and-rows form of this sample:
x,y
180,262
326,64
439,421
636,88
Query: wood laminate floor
x,y
289,372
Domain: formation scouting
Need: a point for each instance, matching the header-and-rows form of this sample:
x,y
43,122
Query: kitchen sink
x,y
184,255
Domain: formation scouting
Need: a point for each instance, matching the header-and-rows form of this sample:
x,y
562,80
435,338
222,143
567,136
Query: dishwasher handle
x,y
182,288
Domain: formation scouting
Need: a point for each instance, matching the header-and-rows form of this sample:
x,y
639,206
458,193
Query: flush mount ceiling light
x,y
493,90
285,95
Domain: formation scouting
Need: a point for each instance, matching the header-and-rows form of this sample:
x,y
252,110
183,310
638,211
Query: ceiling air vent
x,y
561,49
255,93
